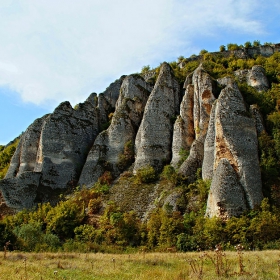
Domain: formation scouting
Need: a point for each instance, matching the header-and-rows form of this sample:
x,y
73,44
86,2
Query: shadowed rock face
x,y
109,145
184,134
50,155
154,138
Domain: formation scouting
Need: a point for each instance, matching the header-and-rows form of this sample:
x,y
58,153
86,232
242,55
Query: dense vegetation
x,y
6,153
85,222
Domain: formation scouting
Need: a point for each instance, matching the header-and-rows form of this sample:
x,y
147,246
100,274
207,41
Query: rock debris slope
x,y
134,125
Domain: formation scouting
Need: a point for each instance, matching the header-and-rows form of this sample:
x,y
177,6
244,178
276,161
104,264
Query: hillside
x,y
176,145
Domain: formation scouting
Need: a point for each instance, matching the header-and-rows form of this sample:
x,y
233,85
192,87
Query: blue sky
x,y
52,51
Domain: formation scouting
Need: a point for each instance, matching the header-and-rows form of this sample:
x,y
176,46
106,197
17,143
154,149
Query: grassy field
x,y
179,266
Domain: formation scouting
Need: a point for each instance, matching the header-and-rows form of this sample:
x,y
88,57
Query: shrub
x,y
146,174
127,158
63,218
29,235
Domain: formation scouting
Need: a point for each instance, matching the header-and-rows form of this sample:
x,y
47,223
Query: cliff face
x,y
150,126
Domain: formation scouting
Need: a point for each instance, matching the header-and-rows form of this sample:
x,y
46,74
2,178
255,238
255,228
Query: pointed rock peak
x,y
188,80
63,107
93,99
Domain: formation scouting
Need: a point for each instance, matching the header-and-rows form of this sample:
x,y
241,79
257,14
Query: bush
x,y
127,158
29,235
63,219
146,174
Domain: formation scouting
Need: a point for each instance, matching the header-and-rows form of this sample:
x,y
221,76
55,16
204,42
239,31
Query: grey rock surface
x,y
255,77
24,159
109,145
233,133
183,134
204,98
209,147
51,154
154,138
226,196
255,112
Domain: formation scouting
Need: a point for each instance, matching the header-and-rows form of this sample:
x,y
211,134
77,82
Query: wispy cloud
x,y
63,50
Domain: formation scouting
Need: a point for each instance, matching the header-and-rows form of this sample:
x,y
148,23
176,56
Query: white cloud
x,y
63,50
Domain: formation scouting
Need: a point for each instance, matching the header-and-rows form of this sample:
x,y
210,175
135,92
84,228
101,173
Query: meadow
x,y
175,266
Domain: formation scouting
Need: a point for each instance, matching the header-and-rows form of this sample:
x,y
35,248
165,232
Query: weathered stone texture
x,y
194,160
24,158
209,147
203,100
112,92
51,154
255,77
226,195
109,145
254,111
20,192
183,134
235,138
154,137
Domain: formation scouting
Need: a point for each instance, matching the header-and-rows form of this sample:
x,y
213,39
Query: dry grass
x,y
175,266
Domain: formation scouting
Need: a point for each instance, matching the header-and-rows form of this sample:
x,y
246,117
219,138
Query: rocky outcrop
x,y
154,137
107,101
232,136
130,126
50,155
25,156
184,134
255,77
226,196
106,153
254,111
204,87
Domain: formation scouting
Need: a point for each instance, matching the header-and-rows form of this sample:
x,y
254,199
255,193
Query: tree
x,y
145,69
202,52
247,44
256,43
222,48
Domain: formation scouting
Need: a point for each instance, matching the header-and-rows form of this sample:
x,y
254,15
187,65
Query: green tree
x,y
222,48
62,219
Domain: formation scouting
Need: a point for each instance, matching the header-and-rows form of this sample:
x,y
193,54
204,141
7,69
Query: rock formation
x,y
255,77
232,135
203,87
154,138
134,124
105,154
